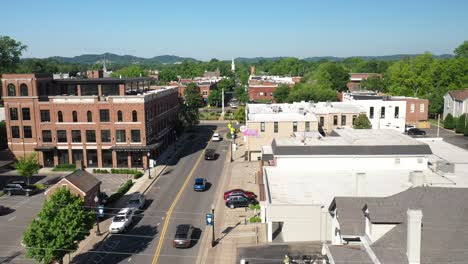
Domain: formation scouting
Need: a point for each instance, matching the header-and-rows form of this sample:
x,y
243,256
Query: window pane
x,y
106,158
134,116
23,90
382,112
307,126
136,136
371,112
294,126
26,114
45,116
89,89
91,156
15,132
343,120
119,116
275,127
335,120
89,116
137,160
13,113
90,136
110,89
75,116
105,136
76,135
62,136
122,159
397,111
11,90
46,136
27,132
60,116
104,115
262,126
120,135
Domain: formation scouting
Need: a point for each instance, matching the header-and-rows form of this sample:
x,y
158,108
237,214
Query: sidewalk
x,y
140,185
231,225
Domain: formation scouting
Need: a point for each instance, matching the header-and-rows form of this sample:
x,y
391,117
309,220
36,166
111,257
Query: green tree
x,y
448,122
462,50
332,75
168,75
10,53
362,122
130,71
461,123
189,113
3,136
311,92
239,115
374,83
281,93
466,131
227,84
60,226
241,94
27,166
215,97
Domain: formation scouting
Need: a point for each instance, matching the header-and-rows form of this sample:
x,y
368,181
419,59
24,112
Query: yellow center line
x,y
169,212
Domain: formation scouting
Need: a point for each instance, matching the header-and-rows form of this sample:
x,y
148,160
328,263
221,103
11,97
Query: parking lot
x,y
449,136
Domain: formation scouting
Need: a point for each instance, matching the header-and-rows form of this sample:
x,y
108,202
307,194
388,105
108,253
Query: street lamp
x,y
96,203
149,164
213,240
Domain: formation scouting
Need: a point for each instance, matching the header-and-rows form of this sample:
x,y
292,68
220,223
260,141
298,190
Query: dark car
x,y
19,188
416,132
199,185
239,201
210,154
183,236
237,192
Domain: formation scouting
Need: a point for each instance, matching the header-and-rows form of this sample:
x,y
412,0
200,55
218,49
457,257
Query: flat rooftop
x,y
101,80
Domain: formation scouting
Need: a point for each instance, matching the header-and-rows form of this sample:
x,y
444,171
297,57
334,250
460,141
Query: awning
x,y
136,148
44,148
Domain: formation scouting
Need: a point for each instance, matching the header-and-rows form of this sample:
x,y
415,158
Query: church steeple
x,y
233,66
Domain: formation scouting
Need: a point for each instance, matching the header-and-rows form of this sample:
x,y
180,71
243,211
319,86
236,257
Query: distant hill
x,y
120,59
384,58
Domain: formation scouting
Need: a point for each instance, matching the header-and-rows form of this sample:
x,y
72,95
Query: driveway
x,y
449,136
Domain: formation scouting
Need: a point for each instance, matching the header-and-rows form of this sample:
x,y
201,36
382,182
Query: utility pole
x,y
222,102
438,124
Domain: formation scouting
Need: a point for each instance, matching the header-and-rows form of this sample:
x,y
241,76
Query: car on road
x,y
183,236
416,132
239,192
121,221
239,201
137,201
210,154
199,185
216,137
19,188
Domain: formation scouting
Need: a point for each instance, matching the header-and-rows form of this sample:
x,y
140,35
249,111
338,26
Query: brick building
x,y
261,88
206,85
105,122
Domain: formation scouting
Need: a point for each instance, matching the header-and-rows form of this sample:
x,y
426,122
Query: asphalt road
x,y
139,244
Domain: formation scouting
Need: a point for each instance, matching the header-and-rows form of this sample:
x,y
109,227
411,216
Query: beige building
x,y
268,121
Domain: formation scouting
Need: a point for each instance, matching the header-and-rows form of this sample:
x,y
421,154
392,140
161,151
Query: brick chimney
x,y
413,236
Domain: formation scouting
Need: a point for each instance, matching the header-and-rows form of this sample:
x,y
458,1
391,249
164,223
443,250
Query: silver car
x,y
137,201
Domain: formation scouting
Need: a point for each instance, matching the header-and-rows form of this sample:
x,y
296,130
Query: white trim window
x,y
421,108
412,108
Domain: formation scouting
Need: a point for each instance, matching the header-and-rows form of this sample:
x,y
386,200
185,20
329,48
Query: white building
x,y
456,103
306,174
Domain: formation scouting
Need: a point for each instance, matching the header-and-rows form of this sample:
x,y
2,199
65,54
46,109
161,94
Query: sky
x,y
243,28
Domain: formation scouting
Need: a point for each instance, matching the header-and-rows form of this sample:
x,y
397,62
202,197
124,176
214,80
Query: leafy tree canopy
x,y
10,53
362,122
281,93
130,71
27,166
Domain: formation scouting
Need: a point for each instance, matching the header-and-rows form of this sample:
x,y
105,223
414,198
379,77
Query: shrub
x,y
254,206
448,122
101,171
255,219
460,126
124,171
65,167
362,122
40,186
120,192
466,131
137,175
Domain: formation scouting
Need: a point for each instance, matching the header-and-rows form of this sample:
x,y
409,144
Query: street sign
x,y
243,129
101,210
209,219
152,163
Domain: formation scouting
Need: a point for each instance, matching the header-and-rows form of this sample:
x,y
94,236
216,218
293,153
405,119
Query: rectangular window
x,y
335,120
262,126
15,132
412,108
13,113
90,136
45,116
104,115
382,112
354,118
26,114
76,136
343,120
322,121
307,126
89,89
421,108
371,112
275,128
397,112
120,135
122,159
62,136
27,132
294,126
110,89
136,136
46,136
105,136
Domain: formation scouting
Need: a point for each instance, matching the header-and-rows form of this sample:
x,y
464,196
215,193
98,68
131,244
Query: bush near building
x,y
448,122
65,167
120,192
362,122
460,126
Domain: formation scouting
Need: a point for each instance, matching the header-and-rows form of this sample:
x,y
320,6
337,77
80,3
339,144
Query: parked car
x,y
216,137
237,192
408,127
183,236
199,185
121,221
416,132
239,201
19,188
137,201
210,154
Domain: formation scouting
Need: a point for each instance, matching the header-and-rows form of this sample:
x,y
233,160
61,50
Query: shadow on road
x,y
10,258
226,231
195,236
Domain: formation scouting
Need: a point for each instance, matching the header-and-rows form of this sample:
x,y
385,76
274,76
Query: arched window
x,y
119,116
11,90
23,90
90,116
75,116
134,116
60,116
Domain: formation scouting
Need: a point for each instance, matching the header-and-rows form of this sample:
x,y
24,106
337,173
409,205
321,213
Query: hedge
x,y
137,175
124,171
460,126
255,219
120,192
449,122
101,171
65,167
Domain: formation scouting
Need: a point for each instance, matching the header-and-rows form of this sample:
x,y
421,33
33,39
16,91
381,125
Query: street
x,y
172,192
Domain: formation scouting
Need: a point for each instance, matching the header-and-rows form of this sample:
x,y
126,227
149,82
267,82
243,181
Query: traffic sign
x,y
209,219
